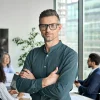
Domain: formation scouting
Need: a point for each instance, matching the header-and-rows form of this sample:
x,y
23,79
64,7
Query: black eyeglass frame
x,y
48,25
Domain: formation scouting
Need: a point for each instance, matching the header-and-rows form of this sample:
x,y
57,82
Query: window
x,y
91,30
68,12
87,32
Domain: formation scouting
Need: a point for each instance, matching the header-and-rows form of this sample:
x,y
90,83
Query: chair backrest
x,y
98,95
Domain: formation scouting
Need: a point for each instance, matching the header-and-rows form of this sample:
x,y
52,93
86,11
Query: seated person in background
x,y
4,94
5,61
90,86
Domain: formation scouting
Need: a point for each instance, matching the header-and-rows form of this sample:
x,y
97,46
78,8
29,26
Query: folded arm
x,y
67,73
65,80
29,85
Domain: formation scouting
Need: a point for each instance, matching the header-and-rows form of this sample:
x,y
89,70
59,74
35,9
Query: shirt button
x,y
44,66
47,55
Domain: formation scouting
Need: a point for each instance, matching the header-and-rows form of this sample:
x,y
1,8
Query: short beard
x,y
45,40
89,66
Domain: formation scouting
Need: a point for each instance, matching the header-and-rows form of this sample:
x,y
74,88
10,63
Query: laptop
x,y
13,83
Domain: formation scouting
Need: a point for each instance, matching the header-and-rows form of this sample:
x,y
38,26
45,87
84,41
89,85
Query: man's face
x,y
90,63
49,27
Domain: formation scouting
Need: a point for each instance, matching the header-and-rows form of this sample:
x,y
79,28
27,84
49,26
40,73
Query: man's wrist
x,y
44,82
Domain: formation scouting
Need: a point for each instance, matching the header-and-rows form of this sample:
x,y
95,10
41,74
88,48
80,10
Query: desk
x,y
25,97
75,96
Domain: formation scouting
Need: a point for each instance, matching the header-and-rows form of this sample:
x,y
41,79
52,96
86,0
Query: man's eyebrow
x,y
49,24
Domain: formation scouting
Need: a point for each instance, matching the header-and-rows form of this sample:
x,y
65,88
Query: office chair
x,y
98,96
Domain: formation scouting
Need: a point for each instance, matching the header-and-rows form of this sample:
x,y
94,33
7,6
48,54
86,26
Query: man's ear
x,y
60,27
93,63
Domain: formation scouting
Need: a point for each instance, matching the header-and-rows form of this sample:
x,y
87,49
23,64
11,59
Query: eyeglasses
x,y
43,27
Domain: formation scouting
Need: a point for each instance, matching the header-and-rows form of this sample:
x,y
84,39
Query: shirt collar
x,y
94,69
53,47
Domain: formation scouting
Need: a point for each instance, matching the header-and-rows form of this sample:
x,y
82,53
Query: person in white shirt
x,y
90,87
6,62
4,94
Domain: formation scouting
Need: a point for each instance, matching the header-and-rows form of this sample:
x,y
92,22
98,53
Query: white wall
x,y
19,16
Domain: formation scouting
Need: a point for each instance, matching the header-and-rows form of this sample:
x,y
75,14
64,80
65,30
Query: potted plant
x,y
27,45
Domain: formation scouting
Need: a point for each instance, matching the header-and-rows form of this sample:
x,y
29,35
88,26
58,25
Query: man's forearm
x,y
51,79
44,83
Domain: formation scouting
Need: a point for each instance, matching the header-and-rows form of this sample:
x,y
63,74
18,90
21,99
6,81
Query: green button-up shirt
x,y
41,64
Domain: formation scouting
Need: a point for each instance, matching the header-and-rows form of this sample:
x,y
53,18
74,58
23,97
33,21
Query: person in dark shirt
x,y
50,70
91,85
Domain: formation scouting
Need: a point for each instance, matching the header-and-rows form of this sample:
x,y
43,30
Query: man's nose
x,y
48,28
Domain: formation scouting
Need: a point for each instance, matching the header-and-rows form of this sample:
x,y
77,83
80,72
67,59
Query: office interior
x,y
80,20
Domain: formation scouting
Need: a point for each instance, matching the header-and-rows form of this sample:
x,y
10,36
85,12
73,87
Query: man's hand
x,y
51,79
77,83
13,92
26,74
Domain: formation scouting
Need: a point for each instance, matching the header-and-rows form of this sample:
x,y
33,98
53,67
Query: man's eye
x,y
43,26
52,25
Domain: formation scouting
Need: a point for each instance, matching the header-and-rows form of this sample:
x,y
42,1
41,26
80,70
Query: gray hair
x,y
47,13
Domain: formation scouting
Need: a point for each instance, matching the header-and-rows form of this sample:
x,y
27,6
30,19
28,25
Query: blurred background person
x,y
90,87
6,62
4,94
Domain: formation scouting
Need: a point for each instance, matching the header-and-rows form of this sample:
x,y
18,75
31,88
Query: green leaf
x,y
26,45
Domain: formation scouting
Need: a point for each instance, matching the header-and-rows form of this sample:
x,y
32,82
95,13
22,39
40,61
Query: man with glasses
x,y
50,70
90,87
